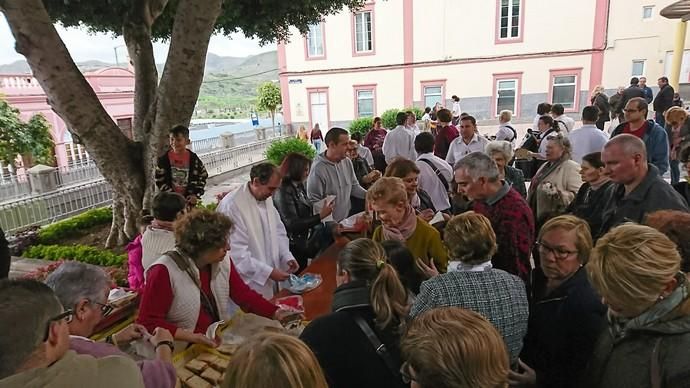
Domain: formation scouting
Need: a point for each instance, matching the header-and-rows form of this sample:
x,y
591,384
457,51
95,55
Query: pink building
x,y
113,86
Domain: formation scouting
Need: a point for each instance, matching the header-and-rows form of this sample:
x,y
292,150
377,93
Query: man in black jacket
x,y
663,100
631,92
5,257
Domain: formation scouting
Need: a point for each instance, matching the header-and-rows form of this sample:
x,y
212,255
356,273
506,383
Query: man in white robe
x,y
259,245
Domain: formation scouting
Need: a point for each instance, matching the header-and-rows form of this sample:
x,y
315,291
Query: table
x,y
317,302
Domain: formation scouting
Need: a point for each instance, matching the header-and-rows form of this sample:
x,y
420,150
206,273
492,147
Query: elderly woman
x,y
501,152
472,282
454,348
600,100
420,200
556,182
566,314
304,228
677,127
197,284
636,270
84,289
676,226
388,197
591,199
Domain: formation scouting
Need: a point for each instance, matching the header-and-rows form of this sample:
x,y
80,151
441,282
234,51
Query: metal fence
x,y
71,200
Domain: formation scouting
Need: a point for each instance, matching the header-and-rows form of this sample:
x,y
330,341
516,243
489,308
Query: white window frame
x,y
644,67
649,8
367,35
439,94
498,93
510,16
556,85
373,96
315,32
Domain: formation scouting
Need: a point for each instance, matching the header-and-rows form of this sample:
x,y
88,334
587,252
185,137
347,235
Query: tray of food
x,y
201,366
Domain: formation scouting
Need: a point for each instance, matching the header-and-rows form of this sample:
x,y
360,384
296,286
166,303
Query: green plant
x,y
74,226
277,151
269,98
388,118
361,125
418,112
83,253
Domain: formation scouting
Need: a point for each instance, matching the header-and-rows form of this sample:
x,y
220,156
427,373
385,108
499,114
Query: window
x,y
647,12
564,89
506,95
509,21
432,95
315,41
365,103
638,66
364,41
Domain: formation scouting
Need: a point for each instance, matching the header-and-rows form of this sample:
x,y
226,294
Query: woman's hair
x,y
675,115
201,230
73,282
365,260
543,109
444,115
598,89
548,120
583,235
500,146
302,128
676,226
594,159
402,259
470,238
377,120
631,265
388,189
401,168
450,347
293,167
505,115
274,360
562,141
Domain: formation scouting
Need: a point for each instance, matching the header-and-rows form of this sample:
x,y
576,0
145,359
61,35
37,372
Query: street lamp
x,y
117,60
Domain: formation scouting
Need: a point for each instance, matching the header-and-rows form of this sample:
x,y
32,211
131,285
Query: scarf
x,y
415,201
165,225
621,326
406,228
351,295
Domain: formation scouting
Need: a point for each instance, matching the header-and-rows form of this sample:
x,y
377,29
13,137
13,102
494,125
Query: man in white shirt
x,y
505,129
588,138
435,174
399,143
456,111
259,245
469,141
564,122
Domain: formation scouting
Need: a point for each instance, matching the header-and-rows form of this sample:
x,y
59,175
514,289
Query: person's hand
x,y
293,266
195,338
327,209
129,333
526,378
446,217
426,214
222,195
428,270
160,335
278,275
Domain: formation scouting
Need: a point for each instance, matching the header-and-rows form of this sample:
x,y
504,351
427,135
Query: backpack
x,y
514,133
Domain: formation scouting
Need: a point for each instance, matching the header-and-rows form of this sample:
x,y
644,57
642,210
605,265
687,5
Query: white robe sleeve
x,y
250,267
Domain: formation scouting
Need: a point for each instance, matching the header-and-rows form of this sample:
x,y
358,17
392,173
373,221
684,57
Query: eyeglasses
x,y
106,309
406,373
67,316
558,253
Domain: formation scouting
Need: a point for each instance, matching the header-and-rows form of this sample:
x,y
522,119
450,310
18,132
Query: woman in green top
x,y
389,200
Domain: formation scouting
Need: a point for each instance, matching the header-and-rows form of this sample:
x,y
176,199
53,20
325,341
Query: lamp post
x,y
117,60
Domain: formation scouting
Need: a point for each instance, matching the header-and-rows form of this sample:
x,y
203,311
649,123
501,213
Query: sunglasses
x,y
67,316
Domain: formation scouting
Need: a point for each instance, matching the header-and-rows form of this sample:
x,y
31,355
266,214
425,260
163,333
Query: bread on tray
x,y
196,366
227,349
197,382
220,364
212,376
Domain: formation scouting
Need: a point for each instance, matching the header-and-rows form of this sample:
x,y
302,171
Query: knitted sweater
x,y
154,243
425,243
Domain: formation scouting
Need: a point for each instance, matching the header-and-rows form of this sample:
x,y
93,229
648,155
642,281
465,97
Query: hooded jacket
x,y
330,178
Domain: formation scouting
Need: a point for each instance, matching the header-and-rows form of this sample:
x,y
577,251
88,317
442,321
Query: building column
x,y
408,52
678,50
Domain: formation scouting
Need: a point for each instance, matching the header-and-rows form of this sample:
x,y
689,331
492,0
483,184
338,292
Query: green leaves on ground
x,y
82,253
74,226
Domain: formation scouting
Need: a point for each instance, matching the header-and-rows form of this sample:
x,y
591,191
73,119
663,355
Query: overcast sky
x,y
84,46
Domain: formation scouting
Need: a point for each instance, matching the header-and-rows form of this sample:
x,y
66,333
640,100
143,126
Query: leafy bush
x,y
418,112
276,152
388,118
361,125
72,226
83,253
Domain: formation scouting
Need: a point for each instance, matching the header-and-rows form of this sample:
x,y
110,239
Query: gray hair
x,y
27,306
73,282
563,142
630,144
501,146
477,165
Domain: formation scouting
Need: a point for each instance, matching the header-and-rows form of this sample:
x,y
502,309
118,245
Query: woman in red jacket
x,y
196,284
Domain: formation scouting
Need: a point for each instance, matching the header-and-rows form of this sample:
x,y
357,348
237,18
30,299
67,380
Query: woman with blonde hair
x,y
420,200
357,344
452,347
473,283
388,197
600,100
274,360
636,270
302,134
677,128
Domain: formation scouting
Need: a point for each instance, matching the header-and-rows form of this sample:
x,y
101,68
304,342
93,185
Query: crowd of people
x,y
461,275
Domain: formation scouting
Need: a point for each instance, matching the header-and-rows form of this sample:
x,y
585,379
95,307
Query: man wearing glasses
x,y
34,345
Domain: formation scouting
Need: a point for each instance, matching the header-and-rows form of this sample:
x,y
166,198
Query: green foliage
x,y
22,138
361,125
83,253
209,206
388,118
269,97
418,112
74,226
277,151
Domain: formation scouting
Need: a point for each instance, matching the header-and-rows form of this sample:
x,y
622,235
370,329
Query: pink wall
x,y
113,86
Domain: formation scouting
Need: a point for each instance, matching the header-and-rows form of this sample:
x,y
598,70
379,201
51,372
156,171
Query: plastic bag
x,y
304,283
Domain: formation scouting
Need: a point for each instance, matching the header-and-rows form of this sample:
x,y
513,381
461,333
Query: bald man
x,y
639,188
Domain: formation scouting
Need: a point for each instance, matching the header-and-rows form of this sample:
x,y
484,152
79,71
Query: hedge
x,y
388,117
277,151
72,226
361,125
82,253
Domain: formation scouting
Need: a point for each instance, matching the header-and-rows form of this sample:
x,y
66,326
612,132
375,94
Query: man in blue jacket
x,y
653,135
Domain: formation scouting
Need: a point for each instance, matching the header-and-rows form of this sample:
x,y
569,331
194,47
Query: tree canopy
x,y
31,138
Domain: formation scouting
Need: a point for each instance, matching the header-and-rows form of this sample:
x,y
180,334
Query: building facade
x,y
492,54
113,86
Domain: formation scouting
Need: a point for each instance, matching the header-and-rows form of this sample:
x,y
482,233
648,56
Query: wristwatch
x,y
170,344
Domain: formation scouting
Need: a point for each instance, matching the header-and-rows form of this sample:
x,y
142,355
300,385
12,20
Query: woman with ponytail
x,y
369,310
